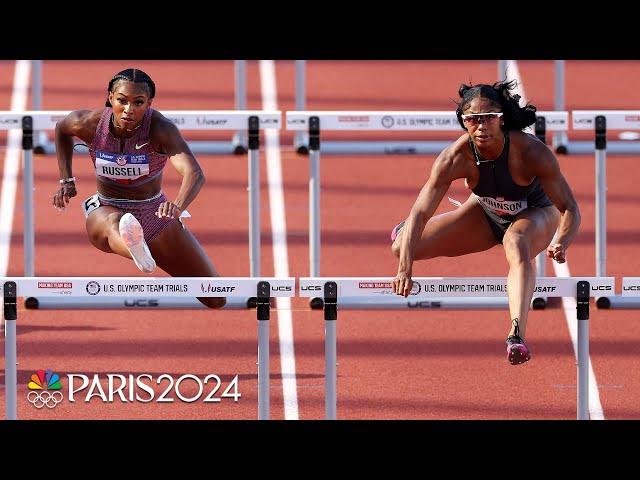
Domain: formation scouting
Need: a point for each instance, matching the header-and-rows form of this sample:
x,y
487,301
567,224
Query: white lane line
x,y
12,162
562,270
279,234
514,72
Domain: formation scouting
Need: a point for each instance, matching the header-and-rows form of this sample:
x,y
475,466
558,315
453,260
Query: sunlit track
x,y
418,363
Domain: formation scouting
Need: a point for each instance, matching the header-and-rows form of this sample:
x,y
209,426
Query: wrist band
x,y
67,180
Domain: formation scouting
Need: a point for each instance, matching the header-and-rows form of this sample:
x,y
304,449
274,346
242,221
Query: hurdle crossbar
x,y
315,122
334,290
139,287
301,141
251,121
600,122
620,120
237,145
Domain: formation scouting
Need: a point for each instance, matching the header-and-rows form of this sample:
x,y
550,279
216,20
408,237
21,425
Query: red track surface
x,y
392,364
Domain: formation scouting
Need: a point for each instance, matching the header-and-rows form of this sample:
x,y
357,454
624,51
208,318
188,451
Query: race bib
x,y
122,166
504,207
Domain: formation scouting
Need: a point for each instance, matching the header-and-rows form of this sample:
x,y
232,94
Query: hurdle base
x,y
240,150
617,301
539,303
123,303
400,303
580,147
381,147
576,147
448,303
316,303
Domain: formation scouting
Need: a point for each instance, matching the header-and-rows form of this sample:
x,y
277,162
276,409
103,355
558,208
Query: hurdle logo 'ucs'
x,y
39,389
93,288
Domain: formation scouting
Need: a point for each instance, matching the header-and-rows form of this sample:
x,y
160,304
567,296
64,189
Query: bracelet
x,y
67,180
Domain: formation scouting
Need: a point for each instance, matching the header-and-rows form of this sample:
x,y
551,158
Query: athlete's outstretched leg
x,y
179,254
527,236
459,232
102,228
113,231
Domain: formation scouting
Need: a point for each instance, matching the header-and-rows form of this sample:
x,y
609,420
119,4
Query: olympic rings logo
x,y
45,398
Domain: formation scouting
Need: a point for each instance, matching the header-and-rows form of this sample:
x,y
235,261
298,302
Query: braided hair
x,y
515,117
131,75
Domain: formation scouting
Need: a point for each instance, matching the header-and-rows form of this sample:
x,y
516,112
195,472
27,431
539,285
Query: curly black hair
x,y
131,75
515,117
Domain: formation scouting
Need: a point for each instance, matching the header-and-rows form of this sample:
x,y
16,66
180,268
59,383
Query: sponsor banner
x,y
134,287
221,120
367,120
631,287
555,121
184,119
42,120
453,287
399,121
616,119
10,121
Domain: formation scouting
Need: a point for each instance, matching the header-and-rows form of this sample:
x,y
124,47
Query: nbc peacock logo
x,y
40,385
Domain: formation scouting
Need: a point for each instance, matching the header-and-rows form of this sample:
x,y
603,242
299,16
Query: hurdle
x,y
301,140
617,146
600,122
631,286
336,289
237,145
250,120
314,122
134,287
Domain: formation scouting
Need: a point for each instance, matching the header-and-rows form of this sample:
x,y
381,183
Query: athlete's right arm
x,y
73,125
443,172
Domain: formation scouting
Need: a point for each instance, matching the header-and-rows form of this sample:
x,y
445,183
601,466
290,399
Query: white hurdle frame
x,y
317,121
560,139
251,120
238,144
600,122
301,140
97,287
335,289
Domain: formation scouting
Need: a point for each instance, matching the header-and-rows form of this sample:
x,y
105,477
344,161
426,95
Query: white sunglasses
x,y
476,118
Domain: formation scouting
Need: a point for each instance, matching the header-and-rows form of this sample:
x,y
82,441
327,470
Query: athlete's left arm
x,y
544,165
172,143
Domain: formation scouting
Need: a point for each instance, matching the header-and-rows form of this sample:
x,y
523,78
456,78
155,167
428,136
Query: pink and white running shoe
x,y
396,230
517,350
133,236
